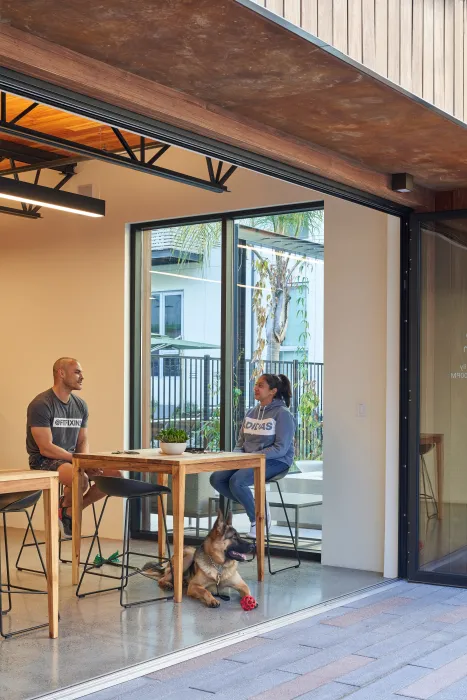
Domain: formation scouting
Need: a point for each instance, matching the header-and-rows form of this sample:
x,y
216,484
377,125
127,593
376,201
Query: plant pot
x,y
173,448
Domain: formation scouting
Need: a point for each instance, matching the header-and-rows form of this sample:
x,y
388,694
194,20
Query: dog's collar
x,y
218,567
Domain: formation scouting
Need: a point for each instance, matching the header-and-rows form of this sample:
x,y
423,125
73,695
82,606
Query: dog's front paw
x,y
213,603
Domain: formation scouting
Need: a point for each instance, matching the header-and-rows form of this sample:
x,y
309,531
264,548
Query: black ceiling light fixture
x,y
39,196
402,182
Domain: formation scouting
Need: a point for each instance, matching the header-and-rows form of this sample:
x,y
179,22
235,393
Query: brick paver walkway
x,y
406,642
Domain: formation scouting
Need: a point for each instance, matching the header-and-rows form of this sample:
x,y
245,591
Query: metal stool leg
x,y
34,543
430,495
126,552
84,537
136,570
7,565
10,588
126,570
294,542
167,541
88,567
26,544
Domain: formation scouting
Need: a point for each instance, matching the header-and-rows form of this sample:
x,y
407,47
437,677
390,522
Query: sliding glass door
x,y
280,302
222,300
438,435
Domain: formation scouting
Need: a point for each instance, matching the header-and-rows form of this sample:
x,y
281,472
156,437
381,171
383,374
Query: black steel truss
x,y
135,158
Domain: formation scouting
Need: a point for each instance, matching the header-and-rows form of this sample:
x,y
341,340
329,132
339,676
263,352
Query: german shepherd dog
x,y
212,566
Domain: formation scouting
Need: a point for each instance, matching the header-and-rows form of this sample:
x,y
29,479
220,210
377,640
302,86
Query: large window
x,y
185,310
228,300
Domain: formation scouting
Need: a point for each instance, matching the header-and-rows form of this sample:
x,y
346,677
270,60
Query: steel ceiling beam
x,y
59,163
63,165
35,157
18,131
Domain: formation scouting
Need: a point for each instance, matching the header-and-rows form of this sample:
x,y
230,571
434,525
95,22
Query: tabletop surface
x,y
20,474
156,455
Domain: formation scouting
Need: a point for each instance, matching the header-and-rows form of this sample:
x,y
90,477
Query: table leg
x,y
178,500
440,475
76,515
51,544
162,480
260,492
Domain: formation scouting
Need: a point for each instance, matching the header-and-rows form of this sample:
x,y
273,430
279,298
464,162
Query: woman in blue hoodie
x,y
268,428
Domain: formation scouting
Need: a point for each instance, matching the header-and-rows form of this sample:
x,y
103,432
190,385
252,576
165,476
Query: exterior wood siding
x,y
418,44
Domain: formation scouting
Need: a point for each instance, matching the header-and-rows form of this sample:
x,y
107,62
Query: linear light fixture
x,y
40,196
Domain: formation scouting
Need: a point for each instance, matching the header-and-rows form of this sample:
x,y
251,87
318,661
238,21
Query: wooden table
x,y
47,482
153,461
437,440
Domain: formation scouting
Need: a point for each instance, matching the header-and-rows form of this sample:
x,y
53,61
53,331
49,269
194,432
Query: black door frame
x,y
62,98
413,415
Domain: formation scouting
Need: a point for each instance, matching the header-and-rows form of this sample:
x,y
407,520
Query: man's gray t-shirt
x,y
64,419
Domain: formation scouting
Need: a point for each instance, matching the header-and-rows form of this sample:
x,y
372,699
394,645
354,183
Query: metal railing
x,y
185,394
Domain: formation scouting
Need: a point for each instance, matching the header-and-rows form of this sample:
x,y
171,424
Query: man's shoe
x,y
64,520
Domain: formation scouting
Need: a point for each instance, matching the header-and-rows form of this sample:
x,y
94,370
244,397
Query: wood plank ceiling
x,y
60,124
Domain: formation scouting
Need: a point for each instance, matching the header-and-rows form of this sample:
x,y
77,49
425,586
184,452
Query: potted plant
x,y
172,441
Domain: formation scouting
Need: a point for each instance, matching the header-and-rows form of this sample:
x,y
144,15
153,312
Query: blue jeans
x,y
234,483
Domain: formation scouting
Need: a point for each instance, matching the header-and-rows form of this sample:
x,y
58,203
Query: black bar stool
x,y
130,489
16,503
275,480
25,545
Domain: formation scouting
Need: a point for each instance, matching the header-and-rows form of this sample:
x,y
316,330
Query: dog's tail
x,y
154,569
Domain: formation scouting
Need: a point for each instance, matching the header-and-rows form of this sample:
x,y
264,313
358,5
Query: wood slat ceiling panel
x,y
66,126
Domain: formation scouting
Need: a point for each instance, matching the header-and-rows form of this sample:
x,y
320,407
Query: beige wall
x,y
62,285
356,372
62,290
418,44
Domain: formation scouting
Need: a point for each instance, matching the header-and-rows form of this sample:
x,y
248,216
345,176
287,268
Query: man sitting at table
x,y
56,428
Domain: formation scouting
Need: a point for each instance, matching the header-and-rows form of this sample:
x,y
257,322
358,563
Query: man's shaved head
x,y
68,374
63,363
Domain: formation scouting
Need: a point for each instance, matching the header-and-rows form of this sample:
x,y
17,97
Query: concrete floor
x,y
98,637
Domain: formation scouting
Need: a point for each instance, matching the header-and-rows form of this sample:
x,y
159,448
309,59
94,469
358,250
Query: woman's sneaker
x,y
64,520
252,534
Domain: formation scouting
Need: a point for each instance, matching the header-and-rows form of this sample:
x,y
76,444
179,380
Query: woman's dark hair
x,y
282,383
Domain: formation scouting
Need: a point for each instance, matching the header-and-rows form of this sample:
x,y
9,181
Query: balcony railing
x,y
185,394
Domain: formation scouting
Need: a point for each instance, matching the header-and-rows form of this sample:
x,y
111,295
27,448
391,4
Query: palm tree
x,y
283,272
278,275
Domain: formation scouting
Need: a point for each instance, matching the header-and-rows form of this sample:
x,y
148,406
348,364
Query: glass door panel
x,y
280,306
185,351
442,444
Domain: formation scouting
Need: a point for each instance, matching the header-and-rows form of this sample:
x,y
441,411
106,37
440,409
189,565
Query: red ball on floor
x,y
248,603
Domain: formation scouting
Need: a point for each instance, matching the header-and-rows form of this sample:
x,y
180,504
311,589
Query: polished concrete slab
x,y
98,637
